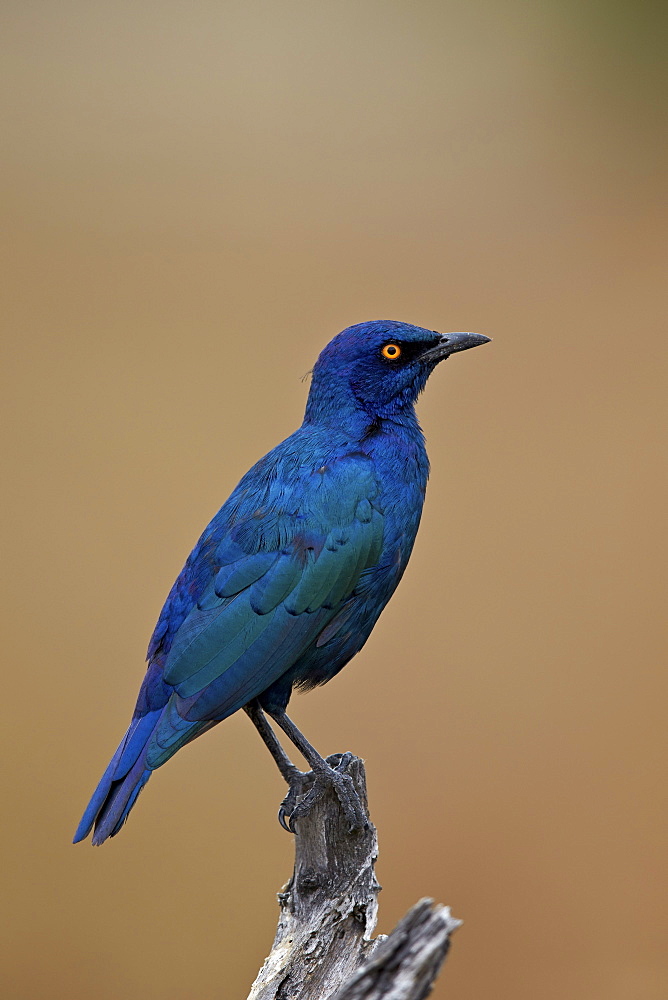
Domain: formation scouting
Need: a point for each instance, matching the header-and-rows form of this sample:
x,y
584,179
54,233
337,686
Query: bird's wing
x,y
282,572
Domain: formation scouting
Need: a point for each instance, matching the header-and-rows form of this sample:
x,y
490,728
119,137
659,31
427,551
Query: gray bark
x,y
323,948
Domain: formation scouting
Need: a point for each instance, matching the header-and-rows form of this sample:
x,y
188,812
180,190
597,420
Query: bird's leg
x,y
299,781
283,762
325,775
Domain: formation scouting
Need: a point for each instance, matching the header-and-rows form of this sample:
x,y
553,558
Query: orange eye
x,y
391,352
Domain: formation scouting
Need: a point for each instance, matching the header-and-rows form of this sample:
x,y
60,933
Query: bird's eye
x,y
391,351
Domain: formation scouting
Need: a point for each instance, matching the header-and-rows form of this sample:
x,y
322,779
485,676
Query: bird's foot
x,y
308,788
301,783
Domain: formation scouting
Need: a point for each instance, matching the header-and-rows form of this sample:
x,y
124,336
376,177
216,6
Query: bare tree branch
x,y
323,948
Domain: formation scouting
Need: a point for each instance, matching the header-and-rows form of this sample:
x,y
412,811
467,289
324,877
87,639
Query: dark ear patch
x,y
409,350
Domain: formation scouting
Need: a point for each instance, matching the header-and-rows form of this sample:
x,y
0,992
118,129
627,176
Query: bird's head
x,y
381,366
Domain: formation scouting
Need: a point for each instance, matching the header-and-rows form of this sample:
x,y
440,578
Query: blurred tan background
x,y
197,196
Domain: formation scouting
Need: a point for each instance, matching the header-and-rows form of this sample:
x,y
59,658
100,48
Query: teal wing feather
x,y
265,606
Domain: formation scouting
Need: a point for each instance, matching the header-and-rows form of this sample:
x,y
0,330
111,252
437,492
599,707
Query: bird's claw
x,y
309,788
300,785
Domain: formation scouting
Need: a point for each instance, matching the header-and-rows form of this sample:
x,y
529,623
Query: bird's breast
x,y
402,469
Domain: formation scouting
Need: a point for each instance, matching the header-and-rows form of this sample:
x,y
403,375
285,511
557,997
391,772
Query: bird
x,y
287,581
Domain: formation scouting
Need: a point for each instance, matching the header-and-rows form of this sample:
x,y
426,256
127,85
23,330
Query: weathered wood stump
x,y
323,948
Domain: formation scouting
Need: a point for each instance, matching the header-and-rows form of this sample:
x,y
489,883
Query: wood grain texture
x,y
323,948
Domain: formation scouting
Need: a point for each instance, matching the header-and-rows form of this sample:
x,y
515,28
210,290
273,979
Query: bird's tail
x,y
120,784
129,770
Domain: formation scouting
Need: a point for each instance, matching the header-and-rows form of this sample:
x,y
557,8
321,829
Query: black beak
x,y
450,343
